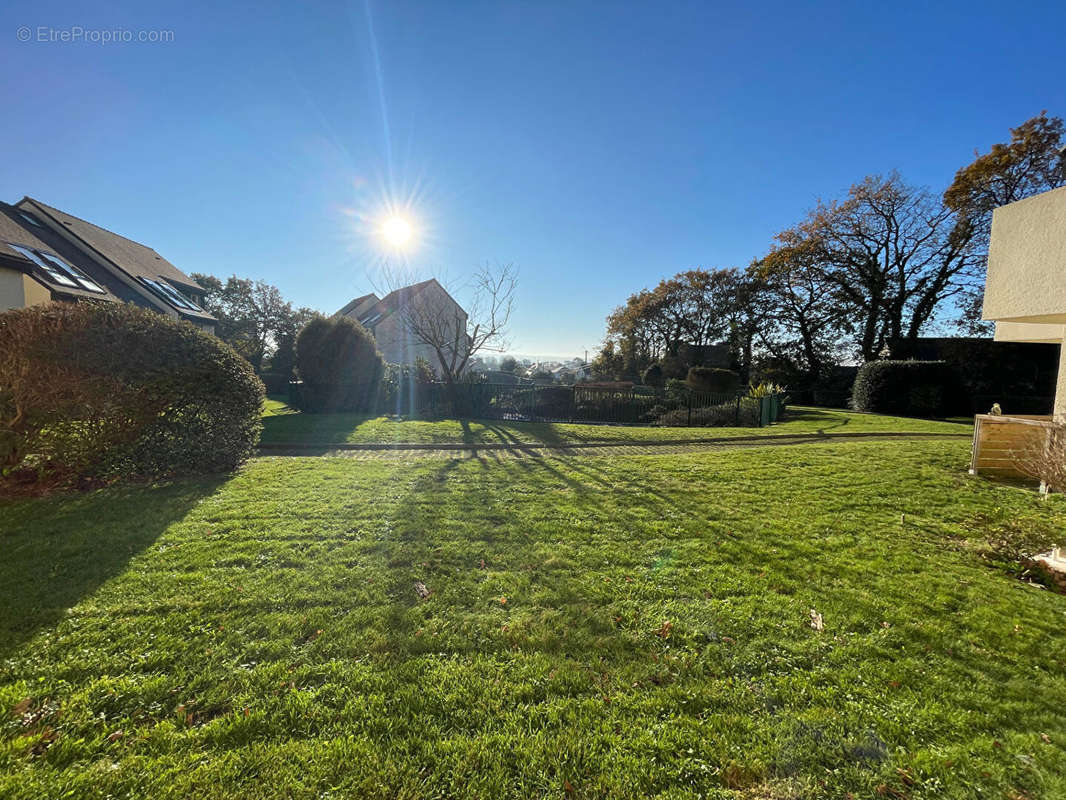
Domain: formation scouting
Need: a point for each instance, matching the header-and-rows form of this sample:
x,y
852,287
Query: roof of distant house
x,y
355,304
388,304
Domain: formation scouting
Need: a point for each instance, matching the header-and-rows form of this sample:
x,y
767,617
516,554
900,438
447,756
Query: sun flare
x,y
397,231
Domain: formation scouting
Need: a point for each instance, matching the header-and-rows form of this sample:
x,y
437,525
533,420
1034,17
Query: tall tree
x,y
804,322
891,255
1033,161
253,318
695,307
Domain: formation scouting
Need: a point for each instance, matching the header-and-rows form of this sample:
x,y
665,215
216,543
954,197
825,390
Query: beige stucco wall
x,y
1030,332
1025,291
398,348
1027,260
18,290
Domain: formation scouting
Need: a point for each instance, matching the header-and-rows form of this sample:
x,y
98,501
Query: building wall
x,y
1027,260
396,343
19,290
398,347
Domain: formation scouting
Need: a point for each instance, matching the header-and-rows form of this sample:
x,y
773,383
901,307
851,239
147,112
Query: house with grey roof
x,y
49,255
389,319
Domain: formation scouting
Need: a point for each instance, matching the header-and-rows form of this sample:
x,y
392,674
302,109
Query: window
x,y
30,218
170,294
79,276
55,273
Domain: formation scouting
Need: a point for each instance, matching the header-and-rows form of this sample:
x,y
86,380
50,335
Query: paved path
x,y
498,450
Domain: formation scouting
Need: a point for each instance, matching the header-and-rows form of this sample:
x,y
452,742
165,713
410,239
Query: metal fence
x,y
635,406
638,405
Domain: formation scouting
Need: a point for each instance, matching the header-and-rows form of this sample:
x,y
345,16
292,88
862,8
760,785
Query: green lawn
x,y
283,426
611,627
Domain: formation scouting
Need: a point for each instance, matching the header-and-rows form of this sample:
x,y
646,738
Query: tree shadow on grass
x,y
56,551
506,433
304,428
446,521
829,421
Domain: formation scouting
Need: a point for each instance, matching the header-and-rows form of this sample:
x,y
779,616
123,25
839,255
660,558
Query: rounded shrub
x,y
340,366
713,379
107,391
653,375
909,388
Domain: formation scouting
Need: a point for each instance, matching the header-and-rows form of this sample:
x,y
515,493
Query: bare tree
x,y
454,335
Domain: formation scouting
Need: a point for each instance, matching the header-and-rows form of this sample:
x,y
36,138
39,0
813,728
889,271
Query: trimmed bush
x,y
105,391
713,379
910,388
340,366
653,375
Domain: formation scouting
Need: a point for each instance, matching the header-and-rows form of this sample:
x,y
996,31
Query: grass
x,y
609,627
281,425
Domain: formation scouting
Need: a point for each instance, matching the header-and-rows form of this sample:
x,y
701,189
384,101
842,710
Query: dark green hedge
x,y
275,382
910,388
340,366
108,391
713,379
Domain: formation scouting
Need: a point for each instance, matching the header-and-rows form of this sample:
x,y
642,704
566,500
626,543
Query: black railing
x,y
553,403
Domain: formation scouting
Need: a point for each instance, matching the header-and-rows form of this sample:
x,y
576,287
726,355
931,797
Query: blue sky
x,y
598,146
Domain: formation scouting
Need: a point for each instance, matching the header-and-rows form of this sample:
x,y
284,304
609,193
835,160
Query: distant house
x,y
48,255
388,318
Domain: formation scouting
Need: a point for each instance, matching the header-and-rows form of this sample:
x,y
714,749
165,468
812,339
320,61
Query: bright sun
x,y
397,231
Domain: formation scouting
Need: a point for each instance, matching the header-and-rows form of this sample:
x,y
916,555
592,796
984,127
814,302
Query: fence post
x,y
736,418
570,410
688,401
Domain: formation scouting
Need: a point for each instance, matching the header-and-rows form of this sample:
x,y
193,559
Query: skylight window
x,y
54,272
170,294
30,219
79,276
